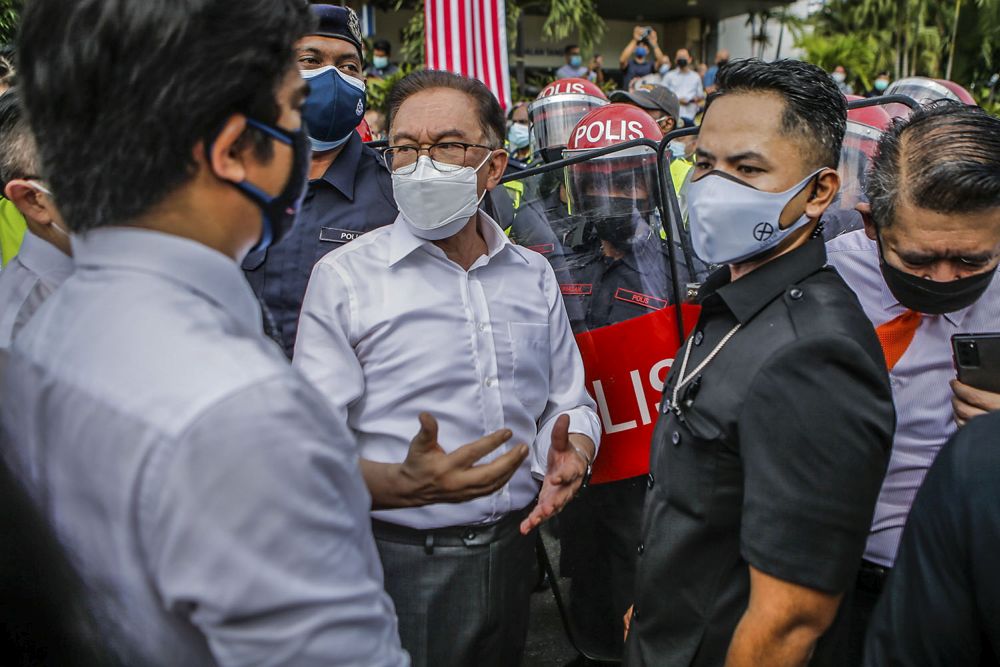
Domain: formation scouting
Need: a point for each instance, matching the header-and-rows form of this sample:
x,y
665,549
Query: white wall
x,y
734,34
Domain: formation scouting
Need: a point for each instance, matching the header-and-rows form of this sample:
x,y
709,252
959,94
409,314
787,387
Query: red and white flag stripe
x,y
469,37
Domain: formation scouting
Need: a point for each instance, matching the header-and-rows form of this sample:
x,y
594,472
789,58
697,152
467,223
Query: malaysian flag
x,y
469,37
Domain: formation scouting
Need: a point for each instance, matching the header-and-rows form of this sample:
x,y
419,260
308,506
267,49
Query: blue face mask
x,y
335,106
380,62
881,85
575,60
278,212
518,136
641,51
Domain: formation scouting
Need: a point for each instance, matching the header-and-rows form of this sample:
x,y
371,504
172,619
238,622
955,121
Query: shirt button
x,y
650,480
470,535
795,293
491,382
642,547
675,438
482,327
698,337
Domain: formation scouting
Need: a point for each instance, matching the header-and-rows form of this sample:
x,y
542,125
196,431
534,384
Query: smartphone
x,y
646,32
977,360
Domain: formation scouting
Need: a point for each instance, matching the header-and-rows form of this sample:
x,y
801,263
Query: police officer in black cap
x,y
350,191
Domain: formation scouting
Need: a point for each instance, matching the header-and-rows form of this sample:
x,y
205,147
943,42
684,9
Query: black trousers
x,y
867,590
462,594
598,535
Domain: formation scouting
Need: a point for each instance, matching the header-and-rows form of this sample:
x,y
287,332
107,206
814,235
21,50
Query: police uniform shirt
x,y
775,461
209,495
354,196
940,605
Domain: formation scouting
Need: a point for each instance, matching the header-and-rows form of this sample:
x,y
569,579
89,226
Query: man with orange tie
x,y
924,269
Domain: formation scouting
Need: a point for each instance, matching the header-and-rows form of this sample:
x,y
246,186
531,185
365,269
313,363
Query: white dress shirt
x,y
920,389
686,86
209,497
391,327
27,280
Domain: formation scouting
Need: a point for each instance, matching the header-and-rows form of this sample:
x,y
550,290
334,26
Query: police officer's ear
x,y
495,168
28,200
824,189
228,152
865,209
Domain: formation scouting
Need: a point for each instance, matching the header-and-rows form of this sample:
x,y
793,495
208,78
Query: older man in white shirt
x,y
439,313
45,259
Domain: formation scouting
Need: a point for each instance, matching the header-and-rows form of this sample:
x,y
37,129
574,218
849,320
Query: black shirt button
x,y
675,438
470,535
698,337
795,293
649,481
641,548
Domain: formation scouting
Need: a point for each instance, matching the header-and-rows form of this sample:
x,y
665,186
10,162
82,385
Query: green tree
x,y
10,12
907,38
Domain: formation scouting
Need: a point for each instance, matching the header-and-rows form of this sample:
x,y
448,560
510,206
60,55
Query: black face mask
x,y
722,62
930,296
278,212
615,218
682,62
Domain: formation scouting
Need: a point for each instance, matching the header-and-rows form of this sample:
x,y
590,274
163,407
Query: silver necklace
x,y
682,380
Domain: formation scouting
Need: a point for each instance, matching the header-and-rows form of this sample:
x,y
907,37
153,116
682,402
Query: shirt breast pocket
x,y
531,355
690,463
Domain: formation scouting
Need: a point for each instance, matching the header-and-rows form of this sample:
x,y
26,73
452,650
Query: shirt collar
x,y
403,242
344,169
44,259
747,296
190,264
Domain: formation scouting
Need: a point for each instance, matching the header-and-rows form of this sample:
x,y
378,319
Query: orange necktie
x,y
896,336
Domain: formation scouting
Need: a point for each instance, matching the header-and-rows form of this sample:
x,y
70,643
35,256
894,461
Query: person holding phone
x,y
641,56
924,270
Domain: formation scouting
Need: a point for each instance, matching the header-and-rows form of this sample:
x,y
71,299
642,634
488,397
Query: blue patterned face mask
x,y
335,106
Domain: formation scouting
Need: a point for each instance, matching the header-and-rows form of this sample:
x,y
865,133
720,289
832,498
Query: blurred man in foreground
x,y
208,495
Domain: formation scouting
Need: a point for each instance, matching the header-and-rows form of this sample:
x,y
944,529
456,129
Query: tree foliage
x,y
906,38
10,12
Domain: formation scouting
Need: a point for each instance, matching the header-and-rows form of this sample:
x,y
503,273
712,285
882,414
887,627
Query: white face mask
x,y
839,77
732,221
437,204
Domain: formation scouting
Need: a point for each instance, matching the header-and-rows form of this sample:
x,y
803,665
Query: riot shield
x,y
602,221
867,119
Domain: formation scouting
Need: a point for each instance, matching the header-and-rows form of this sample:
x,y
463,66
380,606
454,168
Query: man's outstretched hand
x,y
431,475
565,472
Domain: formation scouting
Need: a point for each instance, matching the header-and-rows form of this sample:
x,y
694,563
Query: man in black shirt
x,y
777,416
941,605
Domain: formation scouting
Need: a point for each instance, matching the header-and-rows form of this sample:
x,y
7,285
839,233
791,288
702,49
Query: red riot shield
x,y
623,271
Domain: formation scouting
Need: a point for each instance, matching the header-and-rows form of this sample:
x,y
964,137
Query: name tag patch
x,y
643,300
334,235
543,249
578,289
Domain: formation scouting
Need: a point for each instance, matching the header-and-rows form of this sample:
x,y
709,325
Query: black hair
x,y
815,110
569,48
119,92
491,117
382,45
945,157
18,155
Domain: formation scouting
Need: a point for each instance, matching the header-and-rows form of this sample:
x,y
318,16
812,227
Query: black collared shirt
x,y
776,461
941,604
354,196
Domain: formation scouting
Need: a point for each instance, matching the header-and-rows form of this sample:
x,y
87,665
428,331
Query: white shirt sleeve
x,y
324,350
567,388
